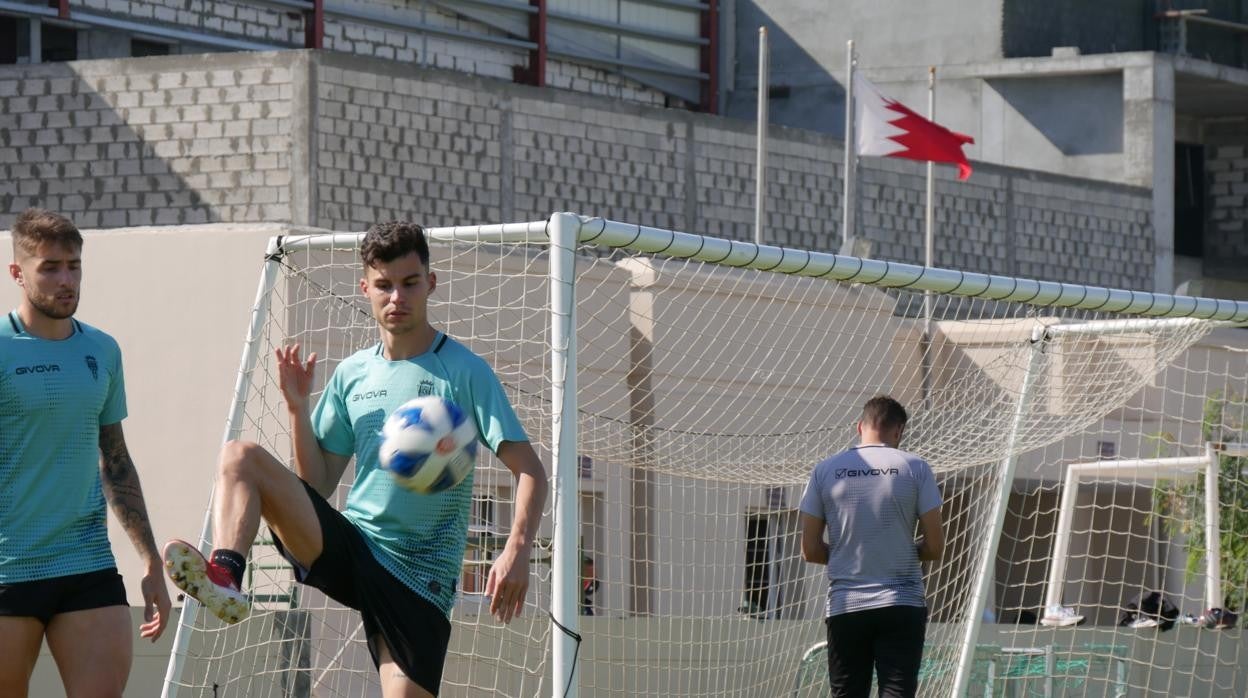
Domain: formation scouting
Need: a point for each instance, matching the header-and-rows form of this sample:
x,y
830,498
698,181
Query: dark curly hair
x,y
386,242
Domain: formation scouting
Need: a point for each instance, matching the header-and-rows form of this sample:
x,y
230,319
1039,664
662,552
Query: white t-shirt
x,y
870,498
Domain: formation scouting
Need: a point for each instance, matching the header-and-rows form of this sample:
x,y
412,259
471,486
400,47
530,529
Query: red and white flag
x,y
888,128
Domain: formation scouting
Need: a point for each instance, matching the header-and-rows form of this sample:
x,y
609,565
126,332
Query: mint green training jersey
x,y
419,538
54,396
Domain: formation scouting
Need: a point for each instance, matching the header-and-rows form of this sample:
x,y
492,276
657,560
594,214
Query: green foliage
x,y
1181,506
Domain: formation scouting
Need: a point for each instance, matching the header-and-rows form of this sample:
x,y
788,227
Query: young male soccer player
x,y
62,452
393,555
868,499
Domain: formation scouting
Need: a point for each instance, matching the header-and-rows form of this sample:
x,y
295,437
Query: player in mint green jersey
x,y
62,454
393,555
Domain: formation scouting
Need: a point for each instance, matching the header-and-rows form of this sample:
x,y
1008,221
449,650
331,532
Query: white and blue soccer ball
x,y
429,444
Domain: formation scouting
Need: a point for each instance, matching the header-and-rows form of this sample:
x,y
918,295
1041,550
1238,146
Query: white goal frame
x,y
1183,467
565,232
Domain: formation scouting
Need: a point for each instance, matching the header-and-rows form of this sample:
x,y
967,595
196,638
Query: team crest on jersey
x,y
95,367
425,388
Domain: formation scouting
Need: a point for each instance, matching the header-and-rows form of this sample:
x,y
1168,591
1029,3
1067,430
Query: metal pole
x,y
1061,543
1213,530
1050,668
760,185
566,567
851,148
928,246
988,553
36,40
710,62
928,250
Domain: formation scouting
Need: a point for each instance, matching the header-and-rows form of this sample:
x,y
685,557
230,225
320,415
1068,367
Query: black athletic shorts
x,y
45,598
884,641
416,632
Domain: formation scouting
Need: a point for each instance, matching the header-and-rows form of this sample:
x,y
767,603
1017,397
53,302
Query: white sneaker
x,y
1060,617
209,584
1143,622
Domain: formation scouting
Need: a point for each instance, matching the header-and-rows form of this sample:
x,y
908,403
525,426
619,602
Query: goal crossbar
x,y
825,265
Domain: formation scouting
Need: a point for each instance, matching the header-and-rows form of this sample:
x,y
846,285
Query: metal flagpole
x,y
928,251
851,149
760,185
929,248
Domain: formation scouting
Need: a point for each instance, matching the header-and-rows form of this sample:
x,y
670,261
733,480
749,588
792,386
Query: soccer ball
x,y
429,444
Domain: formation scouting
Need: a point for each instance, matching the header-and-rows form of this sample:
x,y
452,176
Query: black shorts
x,y
885,641
45,598
415,631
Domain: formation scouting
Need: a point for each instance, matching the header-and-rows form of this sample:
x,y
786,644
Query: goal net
x,y
680,388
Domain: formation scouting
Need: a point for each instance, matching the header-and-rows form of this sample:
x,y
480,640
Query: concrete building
x,y
1091,139
1151,93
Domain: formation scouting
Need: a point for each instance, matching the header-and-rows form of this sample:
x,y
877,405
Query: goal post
x,y
1179,468
680,387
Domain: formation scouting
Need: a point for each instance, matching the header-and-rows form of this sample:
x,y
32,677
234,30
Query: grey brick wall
x,y
449,151
272,24
583,78
148,141
1012,222
239,20
628,162
341,141
394,147
1226,233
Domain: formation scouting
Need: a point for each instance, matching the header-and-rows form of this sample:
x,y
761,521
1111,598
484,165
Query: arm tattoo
x,y
121,487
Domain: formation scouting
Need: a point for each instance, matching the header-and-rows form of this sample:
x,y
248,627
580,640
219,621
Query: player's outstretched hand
x,y
156,603
508,583
294,376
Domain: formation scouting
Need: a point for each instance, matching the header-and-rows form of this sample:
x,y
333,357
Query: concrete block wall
x,y
425,145
339,141
392,147
420,48
622,162
179,139
240,20
589,80
1011,222
1063,229
281,27
1226,234
803,185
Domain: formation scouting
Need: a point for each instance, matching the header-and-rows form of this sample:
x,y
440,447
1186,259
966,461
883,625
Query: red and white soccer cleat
x,y
206,582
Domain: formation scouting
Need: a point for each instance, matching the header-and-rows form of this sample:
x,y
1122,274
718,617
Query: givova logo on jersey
x,y
863,472
37,368
368,395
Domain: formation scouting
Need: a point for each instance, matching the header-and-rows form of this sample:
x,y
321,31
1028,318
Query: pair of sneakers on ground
x,y
212,584
1214,618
